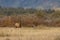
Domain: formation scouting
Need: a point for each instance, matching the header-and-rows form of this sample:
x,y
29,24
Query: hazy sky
x,y
30,3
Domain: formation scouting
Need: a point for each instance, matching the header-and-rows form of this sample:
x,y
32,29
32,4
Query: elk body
x,y
17,25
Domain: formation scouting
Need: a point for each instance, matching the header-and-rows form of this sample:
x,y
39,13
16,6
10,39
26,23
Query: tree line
x,y
29,17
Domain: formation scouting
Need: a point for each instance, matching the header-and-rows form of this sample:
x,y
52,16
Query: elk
x,y
17,25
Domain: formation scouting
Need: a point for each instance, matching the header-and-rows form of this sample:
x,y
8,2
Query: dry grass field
x,y
29,34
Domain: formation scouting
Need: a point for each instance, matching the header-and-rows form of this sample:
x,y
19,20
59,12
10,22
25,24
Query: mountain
x,y
30,3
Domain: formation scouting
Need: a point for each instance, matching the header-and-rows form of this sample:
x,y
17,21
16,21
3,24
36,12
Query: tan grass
x,y
29,33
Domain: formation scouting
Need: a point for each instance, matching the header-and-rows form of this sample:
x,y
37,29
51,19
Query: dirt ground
x,y
29,34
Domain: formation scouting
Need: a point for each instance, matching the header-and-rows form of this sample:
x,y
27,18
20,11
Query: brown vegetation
x,y
28,17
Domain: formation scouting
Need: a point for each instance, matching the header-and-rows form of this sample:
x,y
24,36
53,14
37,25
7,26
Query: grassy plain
x,y
30,33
